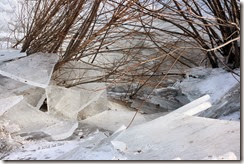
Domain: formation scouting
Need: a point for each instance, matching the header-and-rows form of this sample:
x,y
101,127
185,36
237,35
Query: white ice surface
x,y
42,150
188,137
7,103
61,130
194,107
34,70
28,118
114,118
9,54
93,148
214,82
80,101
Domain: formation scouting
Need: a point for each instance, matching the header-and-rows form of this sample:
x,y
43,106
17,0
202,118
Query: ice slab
x,y
7,103
31,120
34,70
32,95
114,118
179,134
222,86
28,118
97,101
214,82
8,99
6,55
11,85
187,137
194,107
61,130
77,102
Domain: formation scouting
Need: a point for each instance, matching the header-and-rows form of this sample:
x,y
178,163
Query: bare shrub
x,y
134,41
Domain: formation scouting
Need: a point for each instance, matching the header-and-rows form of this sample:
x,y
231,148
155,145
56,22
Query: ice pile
x,y
180,134
222,86
25,85
176,136
35,70
80,123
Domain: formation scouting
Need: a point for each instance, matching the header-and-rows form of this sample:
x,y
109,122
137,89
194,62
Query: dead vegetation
x,y
133,41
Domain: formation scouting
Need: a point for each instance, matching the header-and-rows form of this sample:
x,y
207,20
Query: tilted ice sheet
x,y
114,118
28,118
179,134
8,99
31,120
7,103
77,102
34,70
61,130
215,82
32,95
221,85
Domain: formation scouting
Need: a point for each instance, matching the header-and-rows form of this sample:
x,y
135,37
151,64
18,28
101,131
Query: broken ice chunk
x,y
8,102
221,85
81,101
28,118
114,118
186,137
34,70
32,95
195,106
61,130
